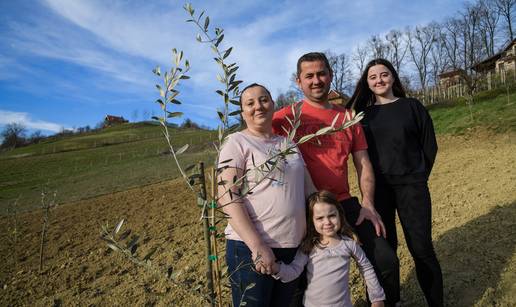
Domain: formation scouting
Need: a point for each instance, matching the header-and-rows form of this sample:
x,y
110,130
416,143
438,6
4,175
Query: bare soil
x,y
474,229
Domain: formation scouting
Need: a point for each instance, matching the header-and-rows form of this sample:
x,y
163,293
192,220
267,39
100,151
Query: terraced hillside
x,y
81,166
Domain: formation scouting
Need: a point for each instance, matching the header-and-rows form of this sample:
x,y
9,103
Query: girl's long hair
x,y
313,238
363,96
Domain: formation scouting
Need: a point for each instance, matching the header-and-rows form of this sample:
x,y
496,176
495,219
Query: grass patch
x,y
131,155
77,167
490,110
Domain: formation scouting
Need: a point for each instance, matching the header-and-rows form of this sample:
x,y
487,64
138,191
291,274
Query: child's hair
x,y
312,237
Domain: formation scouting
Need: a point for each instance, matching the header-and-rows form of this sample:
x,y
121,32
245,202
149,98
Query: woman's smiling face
x,y
257,108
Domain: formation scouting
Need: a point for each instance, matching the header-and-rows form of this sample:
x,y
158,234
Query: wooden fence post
x,y
215,251
202,199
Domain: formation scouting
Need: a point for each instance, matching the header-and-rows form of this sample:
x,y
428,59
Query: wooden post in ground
x,y
215,251
202,199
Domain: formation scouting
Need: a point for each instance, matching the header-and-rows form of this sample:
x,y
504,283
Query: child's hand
x,y
377,304
275,268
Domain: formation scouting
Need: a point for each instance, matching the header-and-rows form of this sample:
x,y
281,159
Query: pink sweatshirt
x,y
328,274
277,205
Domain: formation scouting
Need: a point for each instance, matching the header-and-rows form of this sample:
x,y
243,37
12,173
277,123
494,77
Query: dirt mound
x,y
474,209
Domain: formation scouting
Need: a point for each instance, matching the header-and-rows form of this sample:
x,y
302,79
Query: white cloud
x,y
53,41
119,42
8,117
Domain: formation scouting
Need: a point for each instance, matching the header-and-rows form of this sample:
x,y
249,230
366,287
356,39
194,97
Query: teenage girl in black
x,y
402,149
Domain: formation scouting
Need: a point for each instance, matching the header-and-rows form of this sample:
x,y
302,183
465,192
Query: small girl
x,y
326,250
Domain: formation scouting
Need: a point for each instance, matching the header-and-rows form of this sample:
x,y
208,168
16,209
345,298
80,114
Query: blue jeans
x,y
267,291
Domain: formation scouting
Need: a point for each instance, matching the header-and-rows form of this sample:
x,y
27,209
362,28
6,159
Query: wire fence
x,y
456,86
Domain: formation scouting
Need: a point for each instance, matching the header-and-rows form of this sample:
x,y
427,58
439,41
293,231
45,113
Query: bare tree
x,y
294,88
379,48
471,42
451,40
360,56
397,48
489,17
342,78
420,42
286,99
406,81
13,135
438,58
506,10
36,137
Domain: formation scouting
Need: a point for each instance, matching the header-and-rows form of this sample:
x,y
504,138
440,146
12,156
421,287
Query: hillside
x,y
493,110
124,172
95,163
474,211
130,155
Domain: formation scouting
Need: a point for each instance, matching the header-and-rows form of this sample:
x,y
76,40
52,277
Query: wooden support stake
x,y
203,200
213,223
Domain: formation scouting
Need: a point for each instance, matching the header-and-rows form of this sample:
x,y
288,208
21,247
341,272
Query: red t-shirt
x,y
325,156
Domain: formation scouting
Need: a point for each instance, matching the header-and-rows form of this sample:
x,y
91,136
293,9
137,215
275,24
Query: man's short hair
x,y
312,57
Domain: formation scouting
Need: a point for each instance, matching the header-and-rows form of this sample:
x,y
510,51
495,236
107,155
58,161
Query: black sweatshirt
x,y
401,140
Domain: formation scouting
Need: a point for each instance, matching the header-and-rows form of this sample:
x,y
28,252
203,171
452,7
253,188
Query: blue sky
x,y
67,63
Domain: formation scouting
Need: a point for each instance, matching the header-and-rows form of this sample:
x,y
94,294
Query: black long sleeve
x,y
401,140
427,135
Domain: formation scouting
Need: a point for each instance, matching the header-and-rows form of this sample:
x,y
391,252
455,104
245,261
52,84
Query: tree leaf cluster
x,y
229,93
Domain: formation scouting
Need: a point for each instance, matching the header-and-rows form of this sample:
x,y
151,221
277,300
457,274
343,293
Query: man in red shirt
x,y
326,159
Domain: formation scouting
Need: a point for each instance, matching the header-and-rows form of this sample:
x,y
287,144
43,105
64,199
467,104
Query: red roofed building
x,y
111,120
336,97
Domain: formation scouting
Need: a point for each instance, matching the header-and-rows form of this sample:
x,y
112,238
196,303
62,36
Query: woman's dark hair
x,y
253,85
363,96
313,238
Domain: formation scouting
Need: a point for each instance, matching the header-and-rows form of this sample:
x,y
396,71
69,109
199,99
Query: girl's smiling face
x,y
326,220
380,80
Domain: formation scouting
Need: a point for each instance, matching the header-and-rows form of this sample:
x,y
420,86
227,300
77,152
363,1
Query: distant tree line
x,y
420,54
15,135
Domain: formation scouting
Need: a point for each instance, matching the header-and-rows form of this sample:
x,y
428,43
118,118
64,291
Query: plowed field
x,y
474,216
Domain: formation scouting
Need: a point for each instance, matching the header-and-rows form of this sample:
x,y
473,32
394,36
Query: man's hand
x,y
369,213
263,259
366,182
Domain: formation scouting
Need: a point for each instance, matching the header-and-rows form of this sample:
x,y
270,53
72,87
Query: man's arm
x,y
366,184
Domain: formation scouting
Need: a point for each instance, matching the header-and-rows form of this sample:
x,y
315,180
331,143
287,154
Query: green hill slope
x,y
129,155
491,110
105,161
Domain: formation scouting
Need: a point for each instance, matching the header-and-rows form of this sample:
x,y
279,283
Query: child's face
x,y
326,220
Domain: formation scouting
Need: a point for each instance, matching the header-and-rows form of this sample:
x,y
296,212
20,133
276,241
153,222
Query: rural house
x,y
450,82
501,65
111,120
336,97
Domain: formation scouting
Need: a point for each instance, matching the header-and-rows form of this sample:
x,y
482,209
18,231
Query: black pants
x,y
379,252
413,204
